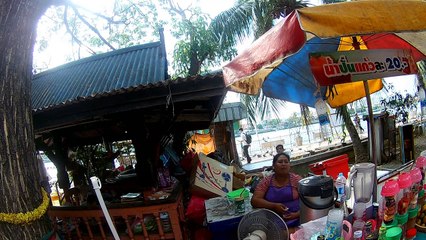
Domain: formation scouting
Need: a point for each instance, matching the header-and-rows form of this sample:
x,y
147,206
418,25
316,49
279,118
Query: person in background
x,y
357,121
245,145
279,192
279,148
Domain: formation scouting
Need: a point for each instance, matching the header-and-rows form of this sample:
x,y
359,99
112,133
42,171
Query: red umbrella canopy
x,y
278,62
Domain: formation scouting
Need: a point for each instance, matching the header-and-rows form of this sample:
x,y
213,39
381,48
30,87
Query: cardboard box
x,y
212,178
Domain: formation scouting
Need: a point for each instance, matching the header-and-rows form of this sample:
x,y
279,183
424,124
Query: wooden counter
x,y
85,222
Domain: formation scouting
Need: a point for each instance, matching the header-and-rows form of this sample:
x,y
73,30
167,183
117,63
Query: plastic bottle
x,y
382,233
334,224
358,227
55,199
358,235
340,186
387,208
165,221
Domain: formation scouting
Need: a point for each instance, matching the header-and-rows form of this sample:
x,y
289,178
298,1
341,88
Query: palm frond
x,y
268,107
234,24
260,107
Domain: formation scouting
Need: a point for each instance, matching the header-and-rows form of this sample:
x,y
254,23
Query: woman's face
x,y
282,165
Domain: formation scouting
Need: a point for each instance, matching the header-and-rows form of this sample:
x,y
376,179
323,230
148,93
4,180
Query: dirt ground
x,y
419,146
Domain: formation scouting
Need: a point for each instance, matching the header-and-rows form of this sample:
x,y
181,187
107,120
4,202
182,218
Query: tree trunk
x,y
20,179
361,154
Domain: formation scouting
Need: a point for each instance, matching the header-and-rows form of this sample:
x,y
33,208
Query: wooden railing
x,y
130,220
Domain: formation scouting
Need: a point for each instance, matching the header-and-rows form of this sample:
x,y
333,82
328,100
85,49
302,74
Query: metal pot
x,y
317,196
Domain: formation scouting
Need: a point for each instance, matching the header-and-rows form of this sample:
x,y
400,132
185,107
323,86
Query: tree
x,y
422,74
398,105
361,155
20,179
197,49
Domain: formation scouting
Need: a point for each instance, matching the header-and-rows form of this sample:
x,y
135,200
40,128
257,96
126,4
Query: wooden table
x,y
85,222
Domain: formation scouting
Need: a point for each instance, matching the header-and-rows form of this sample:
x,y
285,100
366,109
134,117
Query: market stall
x,y
316,54
84,131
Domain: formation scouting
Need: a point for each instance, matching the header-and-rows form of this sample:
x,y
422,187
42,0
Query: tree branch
x,y
73,36
176,8
108,19
95,30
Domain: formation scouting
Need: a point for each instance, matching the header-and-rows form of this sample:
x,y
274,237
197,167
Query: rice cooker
x,y
317,196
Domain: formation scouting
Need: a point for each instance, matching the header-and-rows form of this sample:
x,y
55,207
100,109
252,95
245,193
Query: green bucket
x,y
242,192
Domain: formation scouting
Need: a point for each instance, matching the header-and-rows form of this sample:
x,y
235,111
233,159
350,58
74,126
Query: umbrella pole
x,y
372,138
371,133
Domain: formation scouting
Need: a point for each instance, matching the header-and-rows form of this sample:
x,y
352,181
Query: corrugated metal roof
x,y
231,112
100,75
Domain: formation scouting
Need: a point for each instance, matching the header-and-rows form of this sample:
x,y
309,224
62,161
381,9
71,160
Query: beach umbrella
x,y
279,63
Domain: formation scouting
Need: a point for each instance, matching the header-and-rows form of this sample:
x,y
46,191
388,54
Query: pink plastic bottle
x,y
416,179
404,196
404,199
388,207
421,164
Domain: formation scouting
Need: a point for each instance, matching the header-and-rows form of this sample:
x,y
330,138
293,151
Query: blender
x,y
361,178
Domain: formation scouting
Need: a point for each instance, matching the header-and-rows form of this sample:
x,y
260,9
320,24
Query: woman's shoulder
x,y
264,184
294,179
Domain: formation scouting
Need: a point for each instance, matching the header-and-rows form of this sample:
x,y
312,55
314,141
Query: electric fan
x,y
262,224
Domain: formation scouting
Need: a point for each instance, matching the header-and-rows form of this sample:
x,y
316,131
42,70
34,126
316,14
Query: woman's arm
x,y
291,215
258,201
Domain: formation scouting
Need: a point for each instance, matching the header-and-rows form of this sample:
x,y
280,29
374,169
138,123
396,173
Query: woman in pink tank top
x,y
278,192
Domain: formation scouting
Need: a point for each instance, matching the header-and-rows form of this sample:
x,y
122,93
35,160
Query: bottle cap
x,y
412,213
416,175
421,193
412,232
391,188
402,219
404,180
394,233
421,162
358,234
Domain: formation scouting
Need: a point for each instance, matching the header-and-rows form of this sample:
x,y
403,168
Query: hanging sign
x,y
331,68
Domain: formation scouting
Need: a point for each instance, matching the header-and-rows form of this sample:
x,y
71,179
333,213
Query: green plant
x,y
399,105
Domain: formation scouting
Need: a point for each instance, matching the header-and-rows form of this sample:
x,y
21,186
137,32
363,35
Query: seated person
x,y
278,192
279,148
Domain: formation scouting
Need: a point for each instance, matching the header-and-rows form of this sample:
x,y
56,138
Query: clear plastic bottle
x,y
334,224
54,197
340,186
